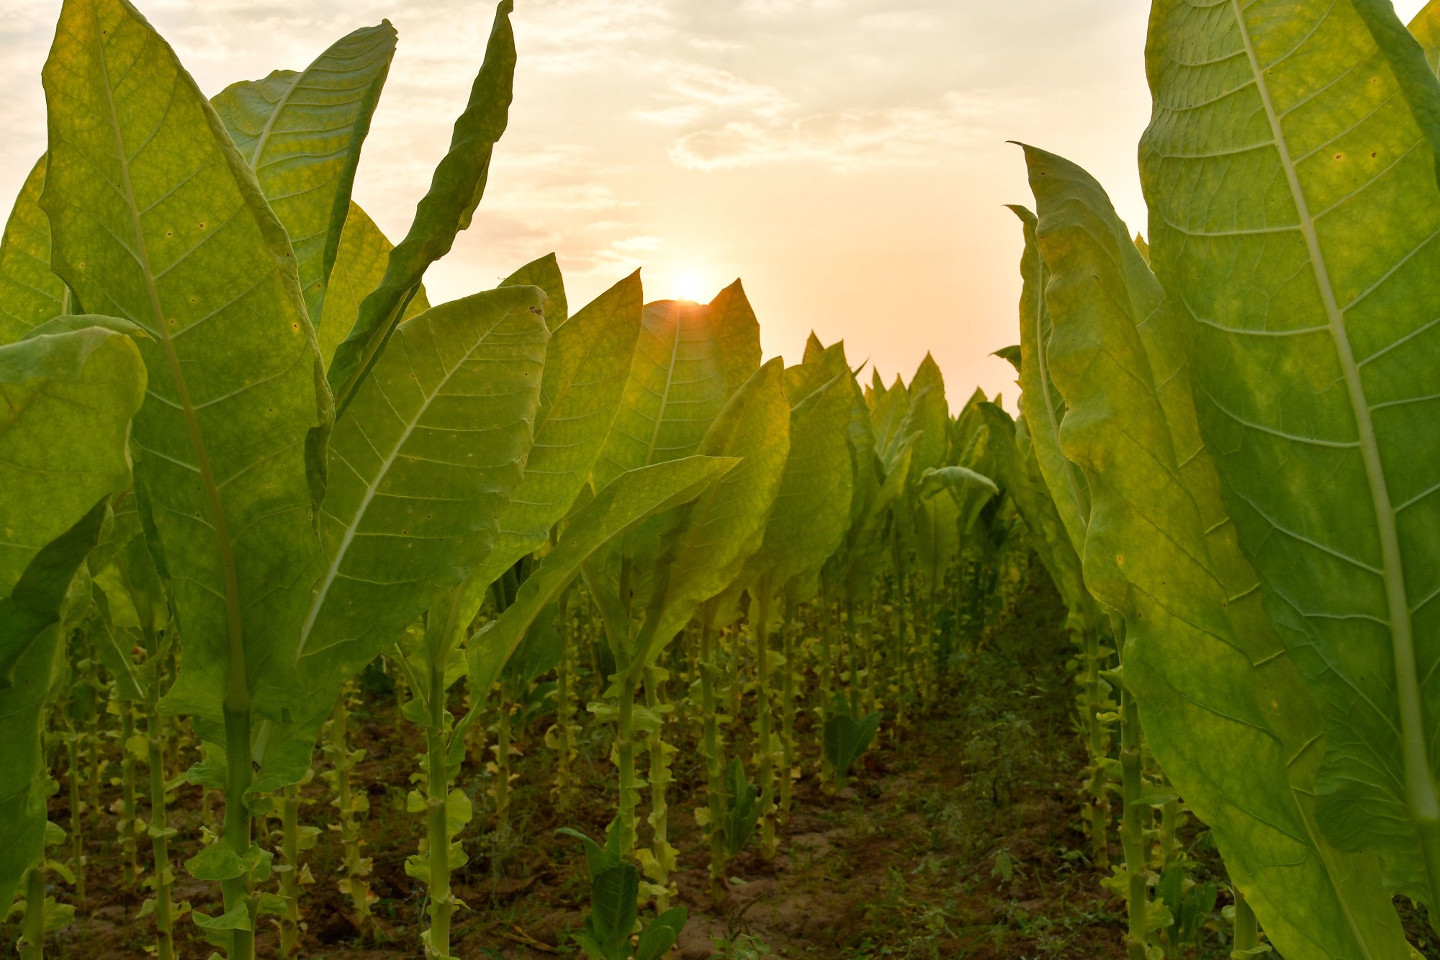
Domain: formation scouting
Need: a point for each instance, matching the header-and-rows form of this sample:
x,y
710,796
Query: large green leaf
x,y
422,464
586,366
689,360
445,210
627,500
1297,218
1224,710
811,513
24,771
301,133
545,274
157,219
887,418
927,417
1426,27
1019,473
69,398
359,268
710,540
29,293
1040,402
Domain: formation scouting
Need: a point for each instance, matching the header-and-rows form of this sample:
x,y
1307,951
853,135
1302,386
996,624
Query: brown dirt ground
x,y
959,838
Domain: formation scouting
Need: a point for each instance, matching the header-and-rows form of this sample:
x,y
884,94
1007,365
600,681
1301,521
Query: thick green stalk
x,y
290,879
438,781
765,778
502,763
899,601
787,710
159,842
872,698
34,930
237,829
1099,744
354,884
565,708
1246,935
77,836
713,750
659,774
736,688
127,796
852,650
624,680
826,661
1132,824
92,718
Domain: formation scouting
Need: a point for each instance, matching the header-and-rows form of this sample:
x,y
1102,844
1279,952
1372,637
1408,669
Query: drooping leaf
x,y
811,511
1426,27
422,463
1308,275
359,268
627,500
29,293
1223,708
1019,472
158,220
455,191
709,541
689,360
586,365
69,398
301,133
545,274
926,417
68,402
1041,403
23,767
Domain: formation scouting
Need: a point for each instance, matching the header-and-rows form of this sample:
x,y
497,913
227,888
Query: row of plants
x,y
1234,470
247,458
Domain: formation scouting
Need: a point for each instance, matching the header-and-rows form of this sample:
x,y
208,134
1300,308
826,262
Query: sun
x,y
690,284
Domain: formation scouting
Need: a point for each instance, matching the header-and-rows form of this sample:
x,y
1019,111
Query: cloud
x,y
844,140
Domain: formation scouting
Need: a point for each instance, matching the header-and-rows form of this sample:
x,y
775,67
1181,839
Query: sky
x,y
847,159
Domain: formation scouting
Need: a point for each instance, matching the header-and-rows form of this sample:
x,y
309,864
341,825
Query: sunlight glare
x,y
690,285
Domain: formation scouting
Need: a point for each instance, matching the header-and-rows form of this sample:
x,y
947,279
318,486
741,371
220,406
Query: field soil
x,y
959,837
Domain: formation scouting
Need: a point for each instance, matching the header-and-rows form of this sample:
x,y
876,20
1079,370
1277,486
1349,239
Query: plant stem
x,y
34,930
77,836
502,762
290,879
1099,744
625,755
438,780
659,773
237,830
127,796
787,709
159,841
852,650
565,706
713,749
1132,824
765,777
1246,934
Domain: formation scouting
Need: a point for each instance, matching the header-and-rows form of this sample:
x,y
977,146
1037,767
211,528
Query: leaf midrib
x,y
324,589
264,138
665,397
1419,786
237,697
